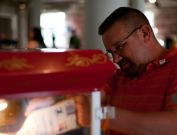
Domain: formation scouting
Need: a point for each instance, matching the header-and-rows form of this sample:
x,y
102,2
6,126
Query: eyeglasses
x,y
119,46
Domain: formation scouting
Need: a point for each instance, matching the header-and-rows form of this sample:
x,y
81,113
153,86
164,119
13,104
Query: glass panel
x,y
41,115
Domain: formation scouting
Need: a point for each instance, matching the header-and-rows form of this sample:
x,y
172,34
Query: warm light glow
x,y
3,104
52,50
152,1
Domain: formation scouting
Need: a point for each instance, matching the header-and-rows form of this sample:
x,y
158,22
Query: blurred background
x,y
66,24
59,18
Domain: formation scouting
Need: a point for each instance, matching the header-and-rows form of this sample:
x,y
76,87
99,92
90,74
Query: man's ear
x,y
147,32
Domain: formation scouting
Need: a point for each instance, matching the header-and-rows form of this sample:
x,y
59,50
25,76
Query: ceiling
x,y
165,12
167,3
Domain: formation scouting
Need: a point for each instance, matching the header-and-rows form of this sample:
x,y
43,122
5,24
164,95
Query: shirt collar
x,y
162,60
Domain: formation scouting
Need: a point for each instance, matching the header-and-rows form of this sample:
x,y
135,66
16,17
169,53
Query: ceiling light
x,y
152,1
3,104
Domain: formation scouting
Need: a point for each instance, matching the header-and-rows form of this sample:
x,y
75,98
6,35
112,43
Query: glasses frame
x,y
119,46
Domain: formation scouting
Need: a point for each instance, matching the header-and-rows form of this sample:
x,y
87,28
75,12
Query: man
x,y
144,89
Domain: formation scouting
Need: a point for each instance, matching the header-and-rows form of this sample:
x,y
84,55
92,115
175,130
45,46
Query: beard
x,y
130,69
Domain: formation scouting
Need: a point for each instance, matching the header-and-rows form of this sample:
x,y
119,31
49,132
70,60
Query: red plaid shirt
x,y
155,90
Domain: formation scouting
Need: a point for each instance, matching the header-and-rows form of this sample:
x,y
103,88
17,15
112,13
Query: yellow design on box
x,y
82,61
14,63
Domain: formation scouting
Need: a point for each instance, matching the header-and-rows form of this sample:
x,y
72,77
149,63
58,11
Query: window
x,y
54,29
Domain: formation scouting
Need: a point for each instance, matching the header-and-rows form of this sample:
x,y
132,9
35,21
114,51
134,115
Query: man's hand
x,y
83,110
39,102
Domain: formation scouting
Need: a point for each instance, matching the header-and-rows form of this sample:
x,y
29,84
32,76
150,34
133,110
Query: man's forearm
x,y
133,123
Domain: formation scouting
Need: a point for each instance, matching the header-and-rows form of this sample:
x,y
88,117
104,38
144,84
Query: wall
x,y
8,12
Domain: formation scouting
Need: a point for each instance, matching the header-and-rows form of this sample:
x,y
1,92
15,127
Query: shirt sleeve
x,y
171,99
109,87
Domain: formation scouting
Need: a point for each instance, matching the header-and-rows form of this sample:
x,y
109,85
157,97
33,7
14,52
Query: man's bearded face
x,y
129,68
